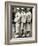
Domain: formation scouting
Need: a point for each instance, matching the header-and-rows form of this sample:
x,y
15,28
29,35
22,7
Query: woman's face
x,y
18,10
22,11
28,9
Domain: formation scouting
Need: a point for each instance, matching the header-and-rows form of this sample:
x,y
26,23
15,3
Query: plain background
x,y
2,22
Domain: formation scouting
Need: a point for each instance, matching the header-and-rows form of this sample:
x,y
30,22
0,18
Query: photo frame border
x,y
7,22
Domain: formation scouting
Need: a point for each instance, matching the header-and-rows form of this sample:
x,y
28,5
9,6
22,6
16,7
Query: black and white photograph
x,y
21,22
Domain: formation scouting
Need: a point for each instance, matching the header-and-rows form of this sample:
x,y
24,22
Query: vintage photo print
x,y
21,22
